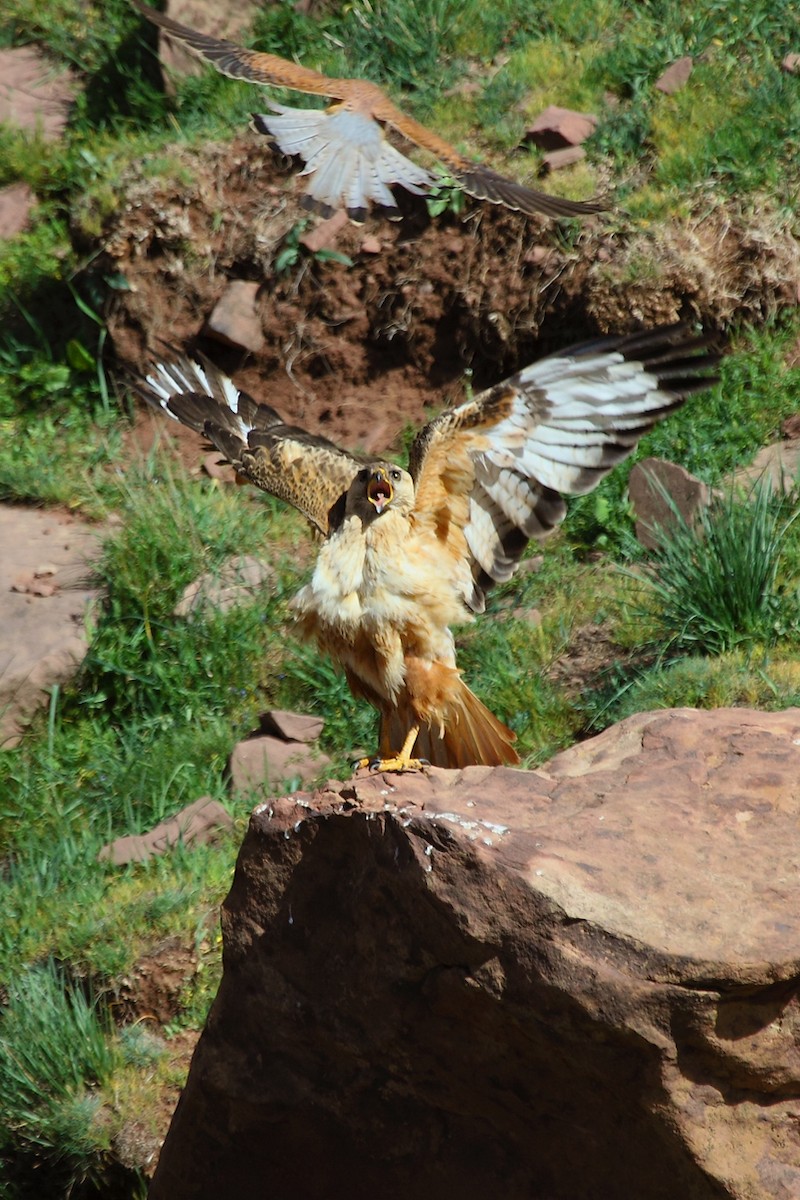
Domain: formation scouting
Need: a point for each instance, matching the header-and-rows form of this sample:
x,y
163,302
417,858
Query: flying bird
x,y
347,157
406,554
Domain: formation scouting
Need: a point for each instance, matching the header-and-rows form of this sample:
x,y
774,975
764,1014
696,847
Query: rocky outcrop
x,y
238,581
199,822
234,319
225,20
17,202
46,591
578,982
35,94
659,490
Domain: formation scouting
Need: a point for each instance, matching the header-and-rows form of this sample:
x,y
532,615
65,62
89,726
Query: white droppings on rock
x,y
473,829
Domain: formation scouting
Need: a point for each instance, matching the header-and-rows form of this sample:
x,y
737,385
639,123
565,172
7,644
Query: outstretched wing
x,y
308,472
491,474
476,178
237,62
344,149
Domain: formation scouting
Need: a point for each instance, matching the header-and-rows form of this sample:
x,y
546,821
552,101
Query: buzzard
x,y
409,553
349,162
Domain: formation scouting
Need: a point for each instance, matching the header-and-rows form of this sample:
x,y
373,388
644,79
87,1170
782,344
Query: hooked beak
x,y
379,490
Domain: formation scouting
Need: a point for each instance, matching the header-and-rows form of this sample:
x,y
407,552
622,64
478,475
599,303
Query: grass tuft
x,y
715,586
739,678
56,1052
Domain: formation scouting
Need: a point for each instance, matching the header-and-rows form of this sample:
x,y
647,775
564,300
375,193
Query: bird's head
x,y
385,488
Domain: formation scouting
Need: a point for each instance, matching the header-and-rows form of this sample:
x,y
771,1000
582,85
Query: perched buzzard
x,y
348,159
407,554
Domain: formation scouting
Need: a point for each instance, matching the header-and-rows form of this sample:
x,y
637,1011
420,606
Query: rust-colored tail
x,y
472,735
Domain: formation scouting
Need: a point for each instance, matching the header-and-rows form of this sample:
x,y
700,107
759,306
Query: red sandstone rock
x,y
269,762
199,822
557,127
34,94
225,20
578,982
234,319
239,581
556,160
216,468
776,465
17,201
324,234
790,428
649,480
676,75
46,590
292,726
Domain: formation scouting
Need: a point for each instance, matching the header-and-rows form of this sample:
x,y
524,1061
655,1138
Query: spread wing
x,y
344,149
475,178
308,472
253,65
491,474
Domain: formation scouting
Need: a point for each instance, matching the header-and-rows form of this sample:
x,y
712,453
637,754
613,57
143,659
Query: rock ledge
x,y
573,982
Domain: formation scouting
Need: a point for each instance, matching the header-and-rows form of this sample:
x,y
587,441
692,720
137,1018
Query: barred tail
x,y
348,161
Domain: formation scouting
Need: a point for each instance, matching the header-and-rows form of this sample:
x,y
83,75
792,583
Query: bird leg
x,y
399,762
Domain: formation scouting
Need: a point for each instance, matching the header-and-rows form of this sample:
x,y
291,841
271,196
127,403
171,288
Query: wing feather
x,y
306,471
485,184
239,63
491,473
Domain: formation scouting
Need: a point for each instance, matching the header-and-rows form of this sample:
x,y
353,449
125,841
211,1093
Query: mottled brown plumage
x,y
346,154
408,554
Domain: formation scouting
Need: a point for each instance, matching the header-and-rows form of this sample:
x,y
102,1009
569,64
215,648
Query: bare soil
x,y
360,352
154,989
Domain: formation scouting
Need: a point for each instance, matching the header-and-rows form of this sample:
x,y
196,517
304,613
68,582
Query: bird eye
x,y
395,475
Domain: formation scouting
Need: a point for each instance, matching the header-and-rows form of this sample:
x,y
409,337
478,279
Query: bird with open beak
x,y
408,554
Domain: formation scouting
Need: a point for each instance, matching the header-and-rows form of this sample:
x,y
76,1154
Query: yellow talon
x,y
400,762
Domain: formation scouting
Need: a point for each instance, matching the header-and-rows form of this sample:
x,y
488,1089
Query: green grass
x,y
735,123
57,1051
504,663
145,729
735,679
716,585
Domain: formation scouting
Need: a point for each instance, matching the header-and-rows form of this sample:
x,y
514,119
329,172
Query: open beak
x,y
379,490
